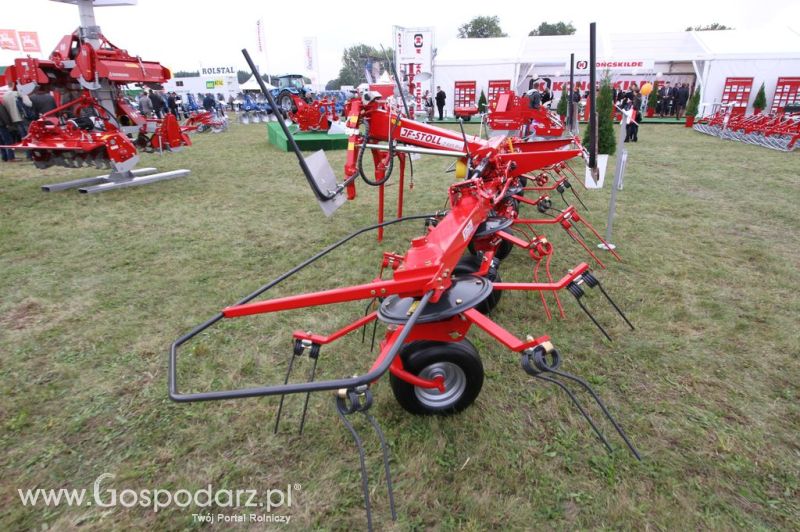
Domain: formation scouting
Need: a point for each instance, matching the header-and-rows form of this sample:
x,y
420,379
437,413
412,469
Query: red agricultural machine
x,y
94,123
205,121
777,131
509,112
448,281
311,114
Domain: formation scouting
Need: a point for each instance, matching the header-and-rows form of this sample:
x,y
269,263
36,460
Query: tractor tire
x,y
286,103
470,264
459,364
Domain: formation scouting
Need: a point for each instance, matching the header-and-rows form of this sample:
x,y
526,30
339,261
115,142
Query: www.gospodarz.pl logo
x,y
159,499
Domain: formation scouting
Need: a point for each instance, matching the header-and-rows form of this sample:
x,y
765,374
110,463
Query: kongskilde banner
x,y
614,64
413,55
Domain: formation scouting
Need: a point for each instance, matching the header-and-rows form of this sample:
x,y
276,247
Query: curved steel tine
x,y
580,408
602,406
385,451
283,396
312,375
362,461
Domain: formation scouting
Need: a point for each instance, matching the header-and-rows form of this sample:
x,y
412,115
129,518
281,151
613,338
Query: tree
x,y
186,74
482,103
481,28
354,60
652,98
561,108
694,103
709,27
559,28
606,143
333,85
760,103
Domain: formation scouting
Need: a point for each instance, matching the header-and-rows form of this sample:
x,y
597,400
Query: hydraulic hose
x,y
378,182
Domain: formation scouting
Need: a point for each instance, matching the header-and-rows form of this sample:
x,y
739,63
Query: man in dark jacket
x,y
158,104
5,134
209,103
42,101
440,99
681,99
172,103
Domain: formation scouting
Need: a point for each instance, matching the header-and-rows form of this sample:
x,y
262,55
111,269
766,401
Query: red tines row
x,y
775,131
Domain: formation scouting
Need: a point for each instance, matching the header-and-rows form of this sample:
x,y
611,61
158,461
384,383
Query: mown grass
x,y
95,288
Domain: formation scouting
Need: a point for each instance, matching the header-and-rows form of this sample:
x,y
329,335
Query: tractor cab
x,y
291,81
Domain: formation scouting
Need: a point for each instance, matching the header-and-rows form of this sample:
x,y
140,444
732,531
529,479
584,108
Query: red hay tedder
x,y
448,280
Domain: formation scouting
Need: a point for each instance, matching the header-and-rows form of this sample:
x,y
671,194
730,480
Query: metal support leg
x,y
115,180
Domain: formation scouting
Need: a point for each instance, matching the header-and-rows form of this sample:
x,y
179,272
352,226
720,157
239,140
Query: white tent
x,y
706,57
252,85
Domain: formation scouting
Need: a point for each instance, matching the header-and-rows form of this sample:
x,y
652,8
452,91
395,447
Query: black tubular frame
x,y
322,196
306,387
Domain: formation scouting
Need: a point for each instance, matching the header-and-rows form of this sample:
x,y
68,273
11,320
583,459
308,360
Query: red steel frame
x,y
428,264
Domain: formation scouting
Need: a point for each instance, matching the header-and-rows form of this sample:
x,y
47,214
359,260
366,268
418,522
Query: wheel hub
x,y
455,382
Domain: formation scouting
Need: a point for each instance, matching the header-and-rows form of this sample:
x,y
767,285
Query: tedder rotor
x,y
446,282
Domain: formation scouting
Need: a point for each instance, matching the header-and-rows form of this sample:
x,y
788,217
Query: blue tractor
x,y
287,88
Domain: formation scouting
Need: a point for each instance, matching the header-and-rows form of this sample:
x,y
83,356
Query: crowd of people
x,y
157,104
17,111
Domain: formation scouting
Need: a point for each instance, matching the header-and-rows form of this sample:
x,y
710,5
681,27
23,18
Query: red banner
x,y
8,40
29,41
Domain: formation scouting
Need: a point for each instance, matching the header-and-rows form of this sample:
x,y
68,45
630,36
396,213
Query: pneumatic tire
x,y
459,364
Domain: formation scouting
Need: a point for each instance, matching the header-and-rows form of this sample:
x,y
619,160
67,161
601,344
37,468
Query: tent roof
x,y
252,85
658,47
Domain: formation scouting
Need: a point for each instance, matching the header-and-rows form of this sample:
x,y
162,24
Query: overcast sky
x,y
187,34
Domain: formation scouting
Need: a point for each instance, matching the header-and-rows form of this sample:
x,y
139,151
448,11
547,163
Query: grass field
x,y
93,289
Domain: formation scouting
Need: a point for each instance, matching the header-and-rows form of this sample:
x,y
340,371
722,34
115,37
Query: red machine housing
x,y
509,112
316,115
85,128
465,100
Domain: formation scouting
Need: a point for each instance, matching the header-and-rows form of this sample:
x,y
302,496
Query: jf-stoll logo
x,y
209,504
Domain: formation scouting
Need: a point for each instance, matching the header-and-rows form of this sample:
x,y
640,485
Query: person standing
x,y
681,99
157,103
441,97
534,98
208,103
664,95
42,101
6,125
145,104
15,103
427,102
172,103
575,100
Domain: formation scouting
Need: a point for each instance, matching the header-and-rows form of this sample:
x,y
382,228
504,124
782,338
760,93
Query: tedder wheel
x,y
457,362
470,264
